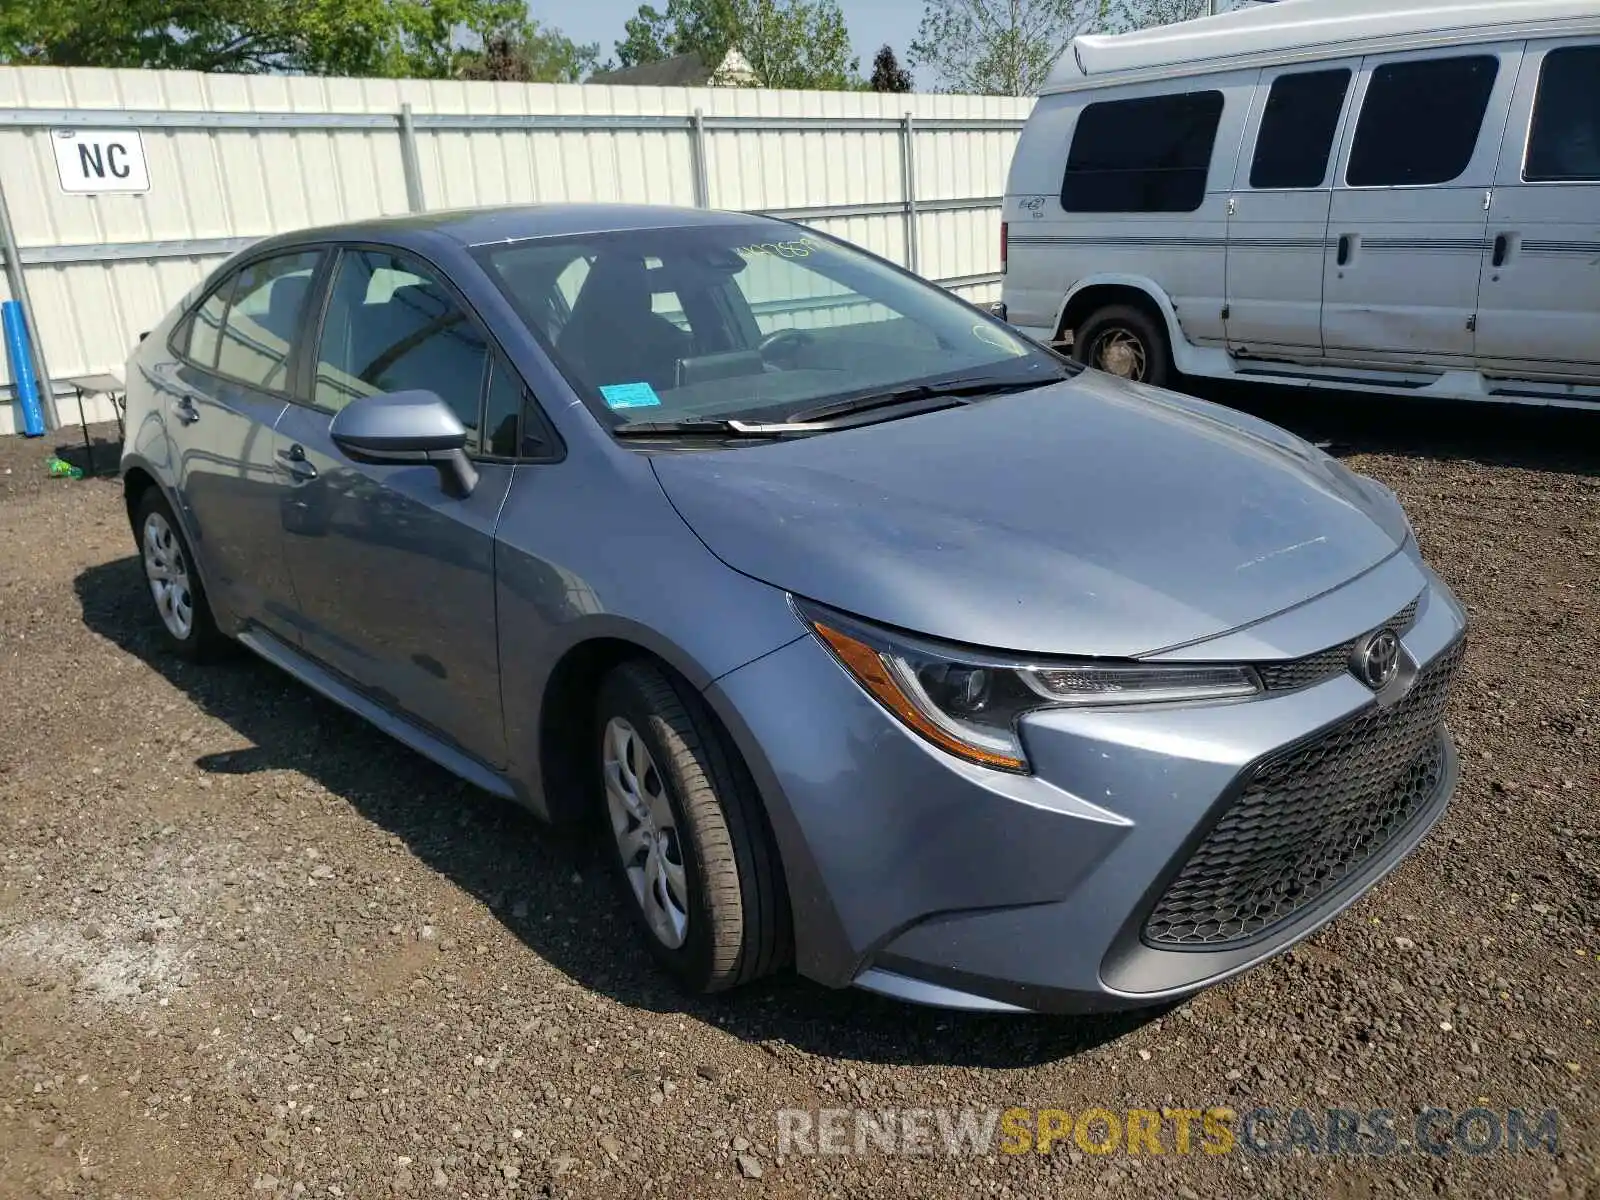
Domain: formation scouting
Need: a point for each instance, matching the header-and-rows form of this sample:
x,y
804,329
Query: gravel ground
x,y
250,947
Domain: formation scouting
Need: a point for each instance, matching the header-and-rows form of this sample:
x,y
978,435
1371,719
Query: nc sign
x,y
92,161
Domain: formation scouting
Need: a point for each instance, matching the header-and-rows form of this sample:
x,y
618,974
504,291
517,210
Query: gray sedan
x,y
877,638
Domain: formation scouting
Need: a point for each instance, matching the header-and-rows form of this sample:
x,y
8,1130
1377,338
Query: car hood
x,y
1090,517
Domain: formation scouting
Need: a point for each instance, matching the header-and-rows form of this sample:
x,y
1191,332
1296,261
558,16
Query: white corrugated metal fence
x,y
231,159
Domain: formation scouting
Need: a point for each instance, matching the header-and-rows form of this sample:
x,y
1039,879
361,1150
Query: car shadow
x,y
553,890
1345,423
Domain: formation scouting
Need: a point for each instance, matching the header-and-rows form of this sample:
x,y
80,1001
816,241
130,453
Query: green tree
x,y
320,37
1002,47
887,73
1142,14
788,43
529,55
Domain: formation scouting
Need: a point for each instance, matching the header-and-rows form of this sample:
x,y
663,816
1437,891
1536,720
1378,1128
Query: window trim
x,y
1209,169
228,275
1330,165
1370,69
307,369
1533,117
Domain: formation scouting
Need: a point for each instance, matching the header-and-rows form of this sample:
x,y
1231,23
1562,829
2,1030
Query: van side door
x,y
1408,218
1539,302
1278,213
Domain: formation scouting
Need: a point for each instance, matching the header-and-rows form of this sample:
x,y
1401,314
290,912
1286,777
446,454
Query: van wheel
x,y
1126,342
180,599
693,857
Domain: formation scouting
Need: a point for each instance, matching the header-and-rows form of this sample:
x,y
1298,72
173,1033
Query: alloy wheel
x,y
168,572
1119,352
646,833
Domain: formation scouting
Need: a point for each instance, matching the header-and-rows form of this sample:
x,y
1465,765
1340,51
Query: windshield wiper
x,y
708,427
953,389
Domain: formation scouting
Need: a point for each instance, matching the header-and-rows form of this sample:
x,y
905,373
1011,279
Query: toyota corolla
x,y
876,638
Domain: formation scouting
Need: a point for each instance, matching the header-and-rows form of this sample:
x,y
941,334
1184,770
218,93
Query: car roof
x,y
1305,30
510,223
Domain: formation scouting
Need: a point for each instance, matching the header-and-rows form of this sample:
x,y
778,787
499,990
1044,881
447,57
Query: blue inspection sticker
x,y
630,395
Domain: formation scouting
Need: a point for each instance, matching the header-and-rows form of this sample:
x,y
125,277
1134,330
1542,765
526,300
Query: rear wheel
x,y
691,849
1125,341
175,588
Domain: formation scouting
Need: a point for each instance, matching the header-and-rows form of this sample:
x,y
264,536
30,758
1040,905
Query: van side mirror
x,y
407,427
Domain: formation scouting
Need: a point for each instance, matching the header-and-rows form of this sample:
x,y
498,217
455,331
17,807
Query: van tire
x,y
1125,341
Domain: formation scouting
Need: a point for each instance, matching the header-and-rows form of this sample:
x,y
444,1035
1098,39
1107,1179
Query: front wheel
x,y
1126,342
693,856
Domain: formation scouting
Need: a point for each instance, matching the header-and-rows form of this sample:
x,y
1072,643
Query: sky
x,y
871,23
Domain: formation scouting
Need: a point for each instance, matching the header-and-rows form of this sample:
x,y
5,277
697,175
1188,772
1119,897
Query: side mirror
x,y
407,427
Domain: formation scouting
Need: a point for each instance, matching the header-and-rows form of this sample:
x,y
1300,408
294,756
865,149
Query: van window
x,y
1564,143
1420,122
1147,155
1298,128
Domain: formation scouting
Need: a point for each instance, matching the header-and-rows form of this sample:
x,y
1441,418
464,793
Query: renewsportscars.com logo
x,y
977,1132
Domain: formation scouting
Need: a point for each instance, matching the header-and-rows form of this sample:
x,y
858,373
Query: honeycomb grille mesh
x,y
1309,819
1325,664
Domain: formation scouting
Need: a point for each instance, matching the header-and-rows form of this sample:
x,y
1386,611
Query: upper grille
x,y
1308,819
1300,673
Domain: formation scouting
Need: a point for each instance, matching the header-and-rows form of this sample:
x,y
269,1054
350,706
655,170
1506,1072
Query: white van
x,y
1384,195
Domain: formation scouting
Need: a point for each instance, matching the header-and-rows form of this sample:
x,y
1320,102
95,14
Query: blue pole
x,y
21,355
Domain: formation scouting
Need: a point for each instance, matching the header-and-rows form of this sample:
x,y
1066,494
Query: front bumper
x,y
921,876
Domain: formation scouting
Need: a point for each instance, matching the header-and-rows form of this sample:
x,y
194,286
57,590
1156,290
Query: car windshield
x,y
738,321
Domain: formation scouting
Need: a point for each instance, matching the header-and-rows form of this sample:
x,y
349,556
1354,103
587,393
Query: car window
x,y
266,302
729,319
205,326
503,410
1564,141
1420,122
1152,154
392,327
1298,126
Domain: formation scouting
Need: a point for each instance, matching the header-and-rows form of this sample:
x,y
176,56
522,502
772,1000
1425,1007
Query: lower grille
x,y
1310,818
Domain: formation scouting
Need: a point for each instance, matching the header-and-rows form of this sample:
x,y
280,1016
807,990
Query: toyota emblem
x,y
1377,660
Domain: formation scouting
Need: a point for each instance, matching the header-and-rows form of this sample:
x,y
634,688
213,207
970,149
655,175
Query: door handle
x,y
294,462
1502,247
183,408
1344,250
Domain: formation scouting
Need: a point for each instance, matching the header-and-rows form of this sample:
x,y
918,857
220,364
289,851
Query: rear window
x,y
1297,129
1152,154
1420,122
1564,142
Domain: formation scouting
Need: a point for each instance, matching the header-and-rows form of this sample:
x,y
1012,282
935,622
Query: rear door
x,y
1278,214
395,578
1408,218
1539,303
228,385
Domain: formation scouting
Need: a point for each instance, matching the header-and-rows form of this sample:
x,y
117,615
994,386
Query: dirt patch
x,y
250,947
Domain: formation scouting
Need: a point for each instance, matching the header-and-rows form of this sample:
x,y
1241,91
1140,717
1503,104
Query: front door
x,y
1539,304
224,394
1407,223
1278,214
395,578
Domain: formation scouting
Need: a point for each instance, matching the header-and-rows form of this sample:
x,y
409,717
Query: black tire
x,y
1128,322
202,640
738,905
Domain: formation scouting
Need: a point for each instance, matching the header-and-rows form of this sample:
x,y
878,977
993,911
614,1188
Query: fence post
x,y
908,179
19,293
408,161
697,151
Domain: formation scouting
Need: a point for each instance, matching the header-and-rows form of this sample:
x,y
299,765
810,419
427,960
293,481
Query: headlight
x,y
969,703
